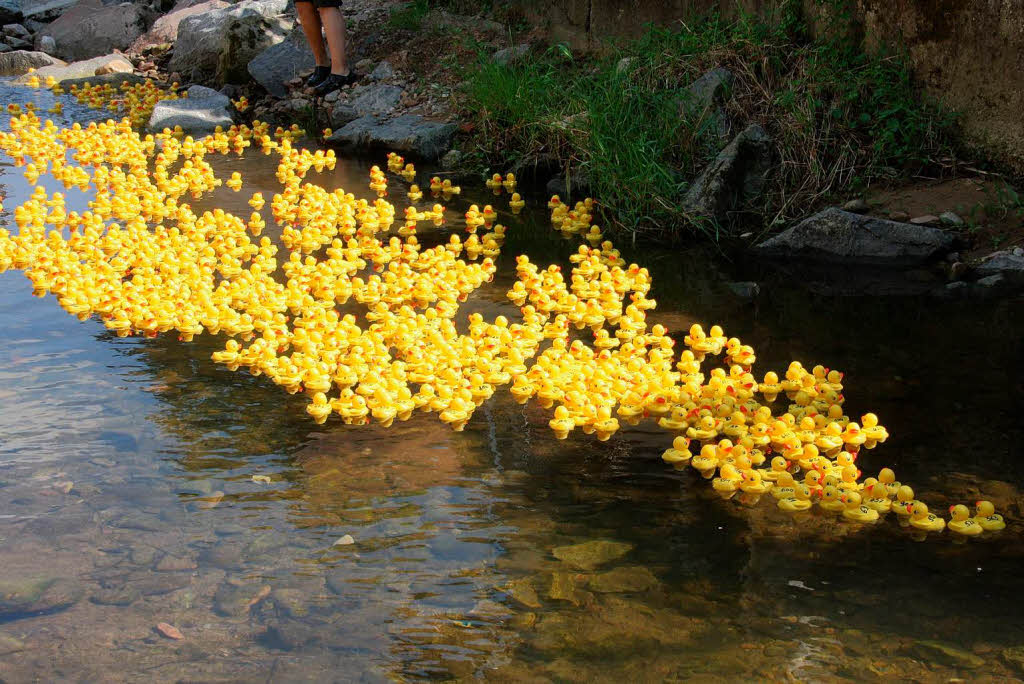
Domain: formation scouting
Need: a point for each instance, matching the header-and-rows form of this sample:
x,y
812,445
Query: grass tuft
x,y
839,118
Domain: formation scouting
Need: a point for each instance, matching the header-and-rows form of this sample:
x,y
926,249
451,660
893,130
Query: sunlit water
x,y
126,475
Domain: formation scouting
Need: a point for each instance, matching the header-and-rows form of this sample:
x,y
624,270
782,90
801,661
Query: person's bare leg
x,y
313,28
334,27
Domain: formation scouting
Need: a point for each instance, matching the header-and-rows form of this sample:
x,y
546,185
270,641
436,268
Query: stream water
x,y
127,499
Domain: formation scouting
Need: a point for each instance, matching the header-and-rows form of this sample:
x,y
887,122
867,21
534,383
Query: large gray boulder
x,y
81,70
1008,263
165,29
282,62
197,116
834,235
19,62
376,99
734,179
217,46
91,28
411,134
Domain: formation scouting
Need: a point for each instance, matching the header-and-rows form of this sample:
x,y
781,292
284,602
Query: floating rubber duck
x,y
987,517
961,523
679,452
516,203
855,511
922,520
800,501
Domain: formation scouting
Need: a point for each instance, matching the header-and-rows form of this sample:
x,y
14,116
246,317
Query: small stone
x,y
951,219
169,631
899,216
511,55
591,554
957,270
925,220
622,66
451,160
744,289
16,30
383,71
856,206
347,540
332,96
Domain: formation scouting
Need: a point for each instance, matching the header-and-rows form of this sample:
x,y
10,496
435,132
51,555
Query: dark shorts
x,y
322,3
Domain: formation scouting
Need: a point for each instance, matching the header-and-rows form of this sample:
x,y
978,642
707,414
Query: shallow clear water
x,y
127,499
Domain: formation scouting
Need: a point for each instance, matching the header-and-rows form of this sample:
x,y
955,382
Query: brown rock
x,y
169,631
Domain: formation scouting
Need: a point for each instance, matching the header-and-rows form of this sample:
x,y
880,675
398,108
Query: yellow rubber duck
x,y
987,517
562,424
516,203
855,511
961,523
922,520
679,453
831,500
800,501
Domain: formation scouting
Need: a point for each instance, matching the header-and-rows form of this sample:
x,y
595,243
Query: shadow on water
x,y
145,484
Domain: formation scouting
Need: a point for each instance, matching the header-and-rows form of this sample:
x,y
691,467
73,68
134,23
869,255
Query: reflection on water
x,y
141,483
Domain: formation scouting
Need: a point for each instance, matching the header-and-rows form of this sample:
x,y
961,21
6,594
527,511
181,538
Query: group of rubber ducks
x,y
143,262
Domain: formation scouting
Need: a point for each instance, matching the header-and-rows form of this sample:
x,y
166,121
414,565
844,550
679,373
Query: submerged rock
x,y
948,655
411,134
834,235
40,594
117,596
19,62
10,644
623,580
523,593
592,554
734,179
275,66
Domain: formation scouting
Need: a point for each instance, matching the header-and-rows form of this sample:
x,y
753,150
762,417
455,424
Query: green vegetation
x,y
410,15
839,118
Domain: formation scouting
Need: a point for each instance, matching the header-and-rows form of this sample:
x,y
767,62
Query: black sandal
x,y
318,76
334,82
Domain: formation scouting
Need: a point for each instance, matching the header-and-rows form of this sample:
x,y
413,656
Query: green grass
x,y
840,119
409,16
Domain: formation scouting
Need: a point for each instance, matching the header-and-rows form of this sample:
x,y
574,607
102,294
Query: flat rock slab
x,y
82,69
591,554
114,80
194,115
410,134
834,235
18,62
